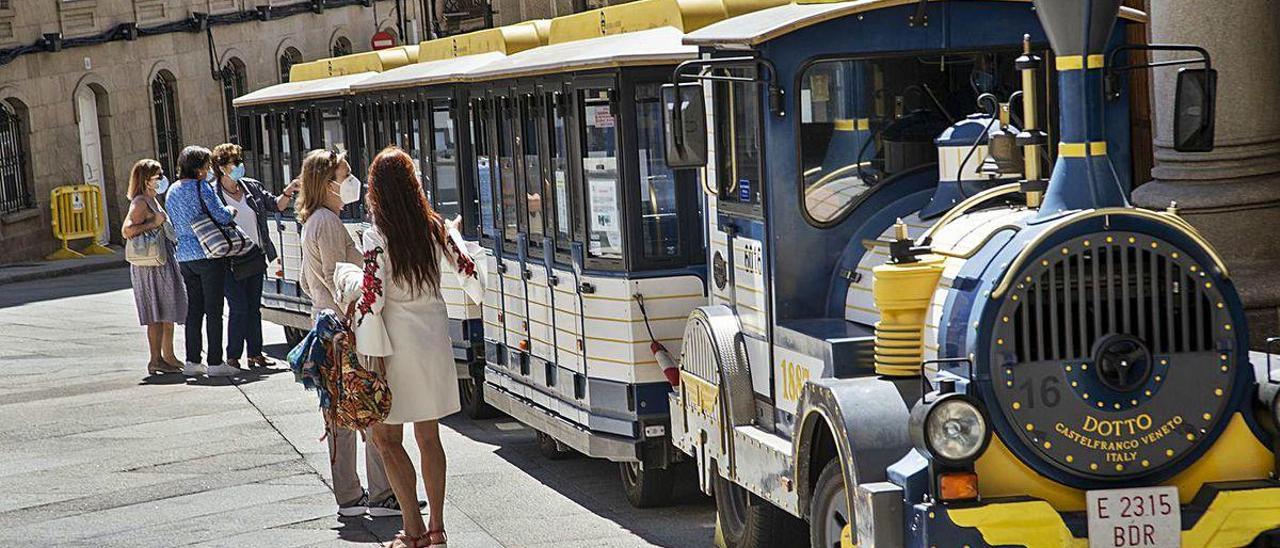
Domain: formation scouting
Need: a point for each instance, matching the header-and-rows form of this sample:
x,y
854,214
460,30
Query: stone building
x,y
75,113
88,87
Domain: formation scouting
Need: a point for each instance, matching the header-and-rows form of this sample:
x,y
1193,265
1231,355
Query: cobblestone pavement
x,y
93,452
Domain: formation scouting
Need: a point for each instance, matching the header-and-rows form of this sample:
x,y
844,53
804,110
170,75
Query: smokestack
x,y
1083,177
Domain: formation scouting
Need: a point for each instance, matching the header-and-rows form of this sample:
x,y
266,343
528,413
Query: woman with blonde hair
x,y
401,319
157,290
326,187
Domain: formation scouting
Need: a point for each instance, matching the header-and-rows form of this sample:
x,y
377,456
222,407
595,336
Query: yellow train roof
x,y
369,61
770,23
505,40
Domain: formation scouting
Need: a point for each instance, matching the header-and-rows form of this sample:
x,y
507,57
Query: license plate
x,y
1134,518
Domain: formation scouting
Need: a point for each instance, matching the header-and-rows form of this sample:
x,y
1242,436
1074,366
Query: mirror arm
x,y
1112,70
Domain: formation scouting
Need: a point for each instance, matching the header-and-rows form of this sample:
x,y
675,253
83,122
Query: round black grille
x,y
1113,356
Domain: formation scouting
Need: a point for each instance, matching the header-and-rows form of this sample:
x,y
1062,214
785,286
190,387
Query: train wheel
x,y
552,449
471,393
646,487
746,521
829,508
293,336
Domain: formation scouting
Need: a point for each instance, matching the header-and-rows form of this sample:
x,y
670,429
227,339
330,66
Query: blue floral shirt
x,y
180,203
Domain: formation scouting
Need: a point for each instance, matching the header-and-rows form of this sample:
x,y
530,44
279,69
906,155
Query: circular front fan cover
x,y
1113,356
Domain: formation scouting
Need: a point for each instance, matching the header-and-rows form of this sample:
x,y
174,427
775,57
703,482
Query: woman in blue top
x,y
203,277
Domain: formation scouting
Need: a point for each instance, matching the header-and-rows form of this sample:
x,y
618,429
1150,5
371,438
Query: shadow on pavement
x,y
595,484
20,293
249,375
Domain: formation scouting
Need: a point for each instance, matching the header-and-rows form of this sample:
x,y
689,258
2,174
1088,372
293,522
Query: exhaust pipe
x,y
1083,177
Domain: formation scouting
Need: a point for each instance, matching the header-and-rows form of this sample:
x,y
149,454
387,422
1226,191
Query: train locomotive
x,y
1036,363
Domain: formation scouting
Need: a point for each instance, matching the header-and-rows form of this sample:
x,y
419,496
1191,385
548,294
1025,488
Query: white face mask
x,y
162,185
349,190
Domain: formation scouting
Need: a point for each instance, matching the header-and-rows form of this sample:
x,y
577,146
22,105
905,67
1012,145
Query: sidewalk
x,y
95,453
21,272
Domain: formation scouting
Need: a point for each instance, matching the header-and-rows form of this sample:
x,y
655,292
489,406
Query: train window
x,y
264,170
304,133
483,159
864,121
286,151
414,119
531,137
659,224
331,130
444,158
600,170
738,171
507,172
558,147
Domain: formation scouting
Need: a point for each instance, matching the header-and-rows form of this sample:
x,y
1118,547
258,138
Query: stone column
x,y
1232,194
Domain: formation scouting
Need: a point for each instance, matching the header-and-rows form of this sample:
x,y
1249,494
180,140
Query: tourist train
x,y
868,267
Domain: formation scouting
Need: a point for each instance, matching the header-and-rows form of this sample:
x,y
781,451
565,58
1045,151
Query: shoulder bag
x,y
147,249
218,240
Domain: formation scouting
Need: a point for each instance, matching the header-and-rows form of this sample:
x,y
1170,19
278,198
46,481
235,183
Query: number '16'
x,y
1047,392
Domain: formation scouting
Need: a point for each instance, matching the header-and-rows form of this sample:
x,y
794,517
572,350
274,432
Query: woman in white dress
x,y
400,317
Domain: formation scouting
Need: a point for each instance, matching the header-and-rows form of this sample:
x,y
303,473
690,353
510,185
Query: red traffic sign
x,y
382,40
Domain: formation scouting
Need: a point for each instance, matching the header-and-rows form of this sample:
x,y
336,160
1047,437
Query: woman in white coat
x,y
400,317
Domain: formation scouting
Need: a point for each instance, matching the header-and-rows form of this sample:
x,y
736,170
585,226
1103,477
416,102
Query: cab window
x,y
738,168
659,224
600,171
864,121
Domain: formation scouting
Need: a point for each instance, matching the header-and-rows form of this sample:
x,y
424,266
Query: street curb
x,y
72,267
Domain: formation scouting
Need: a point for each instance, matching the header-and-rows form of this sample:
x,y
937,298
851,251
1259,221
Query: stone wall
x,y
44,86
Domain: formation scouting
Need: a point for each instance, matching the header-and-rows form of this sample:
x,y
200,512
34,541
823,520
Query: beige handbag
x,y
146,249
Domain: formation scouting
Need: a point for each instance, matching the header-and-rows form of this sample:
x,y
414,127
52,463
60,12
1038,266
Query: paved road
x,y
93,452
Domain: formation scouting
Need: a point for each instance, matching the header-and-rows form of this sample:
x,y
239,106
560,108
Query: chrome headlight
x,y
952,428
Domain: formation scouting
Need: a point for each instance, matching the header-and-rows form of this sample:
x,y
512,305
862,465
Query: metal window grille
x,y
341,46
14,192
164,102
233,85
290,57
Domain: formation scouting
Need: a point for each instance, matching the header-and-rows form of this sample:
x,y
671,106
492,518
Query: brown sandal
x,y
162,367
403,540
437,539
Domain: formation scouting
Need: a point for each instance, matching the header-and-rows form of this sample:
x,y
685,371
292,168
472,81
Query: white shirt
x,y
246,217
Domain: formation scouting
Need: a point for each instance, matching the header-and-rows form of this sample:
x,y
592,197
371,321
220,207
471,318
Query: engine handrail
x,y
964,207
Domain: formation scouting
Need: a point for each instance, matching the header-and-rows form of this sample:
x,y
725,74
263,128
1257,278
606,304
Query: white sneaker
x,y
194,369
223,370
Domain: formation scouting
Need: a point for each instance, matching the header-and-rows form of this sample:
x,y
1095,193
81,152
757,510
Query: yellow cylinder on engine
x,y
902,293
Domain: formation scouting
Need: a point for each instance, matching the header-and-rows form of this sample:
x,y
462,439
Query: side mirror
x,y
685,125
1193,110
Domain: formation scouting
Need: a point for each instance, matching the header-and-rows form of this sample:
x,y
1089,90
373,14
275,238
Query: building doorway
x,y
91,152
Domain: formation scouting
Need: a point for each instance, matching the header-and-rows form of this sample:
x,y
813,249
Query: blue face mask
x,y
162,185
237,173
209,177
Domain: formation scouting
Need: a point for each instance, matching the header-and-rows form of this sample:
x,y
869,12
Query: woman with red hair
x,y
400,317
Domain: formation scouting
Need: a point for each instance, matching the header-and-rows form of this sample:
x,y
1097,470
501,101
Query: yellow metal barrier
x,y
77,213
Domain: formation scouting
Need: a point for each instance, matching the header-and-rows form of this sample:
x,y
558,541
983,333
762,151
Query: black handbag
x,y
253,263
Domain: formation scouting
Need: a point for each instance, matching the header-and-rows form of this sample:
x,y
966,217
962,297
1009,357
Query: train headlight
x,y
952,428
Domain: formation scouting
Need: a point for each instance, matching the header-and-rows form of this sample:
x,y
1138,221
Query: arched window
x,y
164,106
341,46
15,194
288,58
234,84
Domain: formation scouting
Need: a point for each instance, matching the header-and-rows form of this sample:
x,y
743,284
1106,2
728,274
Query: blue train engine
x,y
914,339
